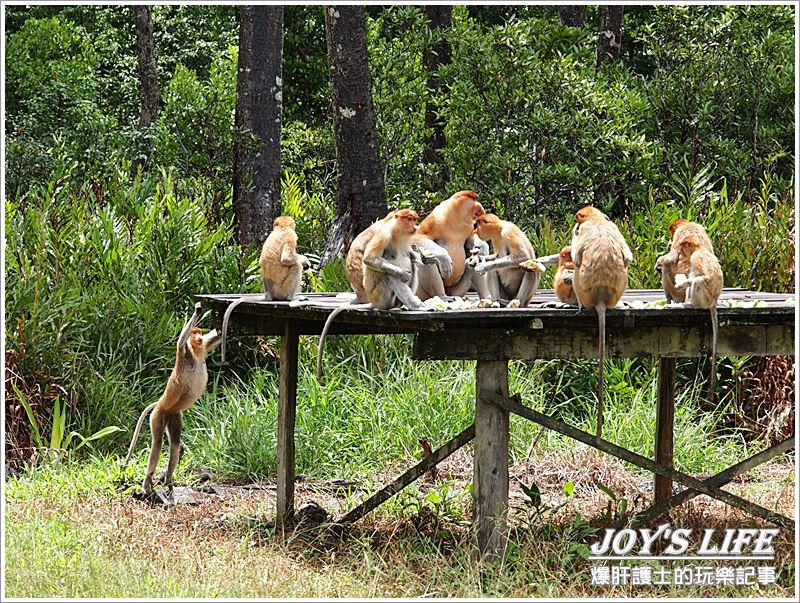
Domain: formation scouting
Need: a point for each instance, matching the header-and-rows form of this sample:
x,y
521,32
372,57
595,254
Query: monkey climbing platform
x,y
758,324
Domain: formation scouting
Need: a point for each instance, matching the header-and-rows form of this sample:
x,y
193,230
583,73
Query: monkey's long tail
x,y
136,432
712,382
225,319
325,329
600,308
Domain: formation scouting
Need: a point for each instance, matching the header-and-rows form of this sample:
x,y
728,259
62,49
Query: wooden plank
x,y
490,476
665,420
410,475
287,404
718,480
570,342
512,404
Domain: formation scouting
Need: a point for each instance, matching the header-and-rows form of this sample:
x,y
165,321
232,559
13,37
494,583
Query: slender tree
x,y
609,36
434,56
360,195
259,115
148,74
572,15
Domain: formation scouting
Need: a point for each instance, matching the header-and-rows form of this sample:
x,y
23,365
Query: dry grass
x,y
89,544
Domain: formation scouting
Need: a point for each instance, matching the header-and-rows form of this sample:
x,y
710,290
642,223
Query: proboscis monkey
x,y
185,385
673,263
447,233
601,257
703,286
562,283
390,266
281,270
507,279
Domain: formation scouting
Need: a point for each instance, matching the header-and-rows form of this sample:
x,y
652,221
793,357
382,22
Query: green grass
x,y
71,533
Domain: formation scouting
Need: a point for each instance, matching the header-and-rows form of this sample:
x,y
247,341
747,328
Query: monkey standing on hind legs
x,y
601,257
281,270
185,385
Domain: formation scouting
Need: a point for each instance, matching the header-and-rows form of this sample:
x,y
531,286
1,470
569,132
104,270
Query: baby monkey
x,y
185,385
562,283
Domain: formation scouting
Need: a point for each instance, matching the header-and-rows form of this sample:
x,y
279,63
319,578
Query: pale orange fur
x,y
511,247
451,224
281,265
601,257
355,258
389,270
703,286
673,262
185,385
563,290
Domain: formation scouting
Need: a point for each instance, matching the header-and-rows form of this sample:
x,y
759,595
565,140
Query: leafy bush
x,y
53,89
100,282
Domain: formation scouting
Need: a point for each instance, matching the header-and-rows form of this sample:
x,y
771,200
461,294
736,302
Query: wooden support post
x,y
665,420
287,402
491,459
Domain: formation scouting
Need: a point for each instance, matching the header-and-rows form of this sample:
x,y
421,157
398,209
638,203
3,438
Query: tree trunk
x,y
259,108
609,36
148,74
572,15
435,55
360,195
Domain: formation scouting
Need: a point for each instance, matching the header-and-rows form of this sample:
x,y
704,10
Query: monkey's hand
x,y
473,261
681,281
427,257
482,268
532,266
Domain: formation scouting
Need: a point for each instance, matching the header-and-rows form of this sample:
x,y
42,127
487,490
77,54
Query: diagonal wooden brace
x,y
512,404
433,459
717,480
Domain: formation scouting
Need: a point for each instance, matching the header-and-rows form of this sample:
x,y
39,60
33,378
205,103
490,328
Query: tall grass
x,y
101,276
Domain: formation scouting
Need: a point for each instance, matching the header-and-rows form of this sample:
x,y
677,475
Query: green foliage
x,y
97,292
52,87
194,132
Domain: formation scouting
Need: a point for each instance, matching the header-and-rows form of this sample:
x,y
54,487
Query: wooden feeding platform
x,y
760,324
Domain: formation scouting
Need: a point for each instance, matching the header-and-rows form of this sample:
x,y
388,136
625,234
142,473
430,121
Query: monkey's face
x,y
203,344
284,222
487,226
407,221
565,256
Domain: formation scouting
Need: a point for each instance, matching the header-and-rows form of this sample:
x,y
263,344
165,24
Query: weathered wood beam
x,y
568,342
717,480
665,421
490,473
513,405
287,404
409,476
